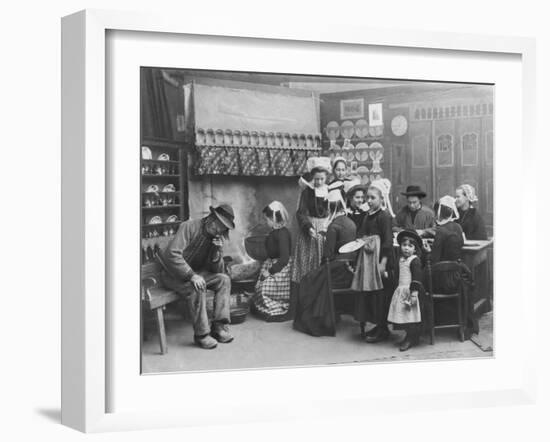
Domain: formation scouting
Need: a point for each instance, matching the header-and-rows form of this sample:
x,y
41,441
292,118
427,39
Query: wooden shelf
x,y
355,140
160,143
149,175
160,161
160,224
169,206
160,192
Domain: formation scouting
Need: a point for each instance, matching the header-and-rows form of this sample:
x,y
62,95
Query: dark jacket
x,y
172,260
424,218
448,243
340,231
310,205
380,223
277,245
472,224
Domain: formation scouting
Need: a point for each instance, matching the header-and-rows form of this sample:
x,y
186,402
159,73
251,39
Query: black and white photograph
x,y
282,227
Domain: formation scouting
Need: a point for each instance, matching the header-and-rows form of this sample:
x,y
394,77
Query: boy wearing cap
x,y
414,216
193,262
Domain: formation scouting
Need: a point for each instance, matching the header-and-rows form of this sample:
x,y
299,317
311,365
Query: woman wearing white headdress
x,y
447,246
372,305
469,218
449,237
272,292
315,306
312,216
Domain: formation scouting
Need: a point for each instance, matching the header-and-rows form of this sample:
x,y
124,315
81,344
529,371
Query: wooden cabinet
x,y
163,193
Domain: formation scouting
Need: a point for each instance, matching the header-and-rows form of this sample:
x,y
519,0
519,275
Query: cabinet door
x,y
486,186
444,157
419,158
469,152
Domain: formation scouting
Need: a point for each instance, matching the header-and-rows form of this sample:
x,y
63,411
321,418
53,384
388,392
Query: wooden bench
x,y
154,298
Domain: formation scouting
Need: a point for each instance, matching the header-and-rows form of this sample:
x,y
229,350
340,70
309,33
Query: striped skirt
x,y
308,251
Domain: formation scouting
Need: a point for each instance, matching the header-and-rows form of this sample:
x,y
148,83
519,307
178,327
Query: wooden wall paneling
x,y
468,152
418,169
445,146
485,191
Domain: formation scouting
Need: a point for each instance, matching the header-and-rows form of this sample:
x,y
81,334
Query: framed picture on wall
x,y
354,108
375,114
106,384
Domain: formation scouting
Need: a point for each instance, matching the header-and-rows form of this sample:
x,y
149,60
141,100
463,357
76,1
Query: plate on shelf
x,y
169,188
153,188
163,157
361,128
172,219
362,155
146,153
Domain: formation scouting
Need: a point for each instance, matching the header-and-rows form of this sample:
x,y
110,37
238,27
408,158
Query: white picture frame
x,y
375,114
87,168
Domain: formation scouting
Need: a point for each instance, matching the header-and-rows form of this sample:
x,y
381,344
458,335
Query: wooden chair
x,y
459,296
334,292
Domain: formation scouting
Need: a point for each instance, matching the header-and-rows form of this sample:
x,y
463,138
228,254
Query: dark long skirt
x,y
314,313
373,306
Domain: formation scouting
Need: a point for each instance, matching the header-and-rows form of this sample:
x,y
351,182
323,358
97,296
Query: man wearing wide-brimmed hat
x,y
415,216
193,262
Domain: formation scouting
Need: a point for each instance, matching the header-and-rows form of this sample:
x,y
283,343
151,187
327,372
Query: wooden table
x,y
475,256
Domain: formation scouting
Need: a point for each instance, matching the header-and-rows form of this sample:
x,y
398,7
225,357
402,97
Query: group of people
x,y
333,213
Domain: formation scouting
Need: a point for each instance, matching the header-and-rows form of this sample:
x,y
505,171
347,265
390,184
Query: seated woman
x,y
449,237
469,218
315,306
272,292
447,246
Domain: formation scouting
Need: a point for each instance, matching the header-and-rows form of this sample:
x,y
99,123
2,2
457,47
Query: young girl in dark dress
x,y
469,219
272,292
373,306
406,307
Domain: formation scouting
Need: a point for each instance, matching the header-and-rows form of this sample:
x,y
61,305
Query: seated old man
x,y
193,262
414,216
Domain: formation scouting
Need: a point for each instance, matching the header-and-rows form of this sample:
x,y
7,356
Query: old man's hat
x,y
224,212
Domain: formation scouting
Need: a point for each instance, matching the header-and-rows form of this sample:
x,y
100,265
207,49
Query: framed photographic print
x,y
353,108
375,114
190,267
